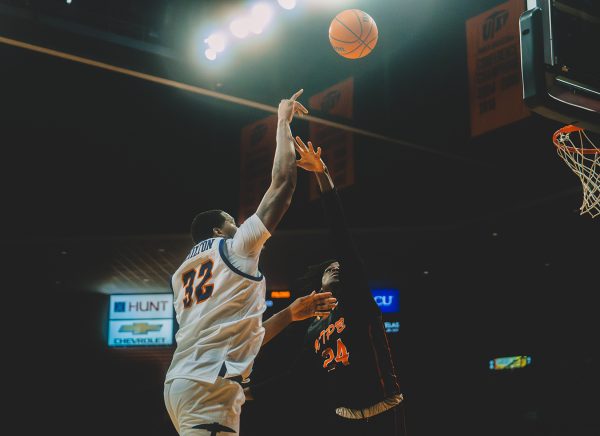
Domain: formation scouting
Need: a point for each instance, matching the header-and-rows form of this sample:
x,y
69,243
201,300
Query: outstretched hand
x,y
289,107
314,304
310,160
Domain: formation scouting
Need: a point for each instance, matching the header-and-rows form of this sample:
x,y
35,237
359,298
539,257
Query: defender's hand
x,y
310,160
287,108
312,305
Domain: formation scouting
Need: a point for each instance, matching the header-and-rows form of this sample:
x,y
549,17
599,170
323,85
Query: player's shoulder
x,y
254,222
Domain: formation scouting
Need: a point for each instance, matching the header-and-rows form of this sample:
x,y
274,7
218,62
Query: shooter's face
x,y
228,229
331,276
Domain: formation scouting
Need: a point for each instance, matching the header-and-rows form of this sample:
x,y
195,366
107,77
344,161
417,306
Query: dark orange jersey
x,y
346,356
350,345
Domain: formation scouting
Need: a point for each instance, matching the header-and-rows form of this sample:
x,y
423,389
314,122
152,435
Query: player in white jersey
x,y
220,298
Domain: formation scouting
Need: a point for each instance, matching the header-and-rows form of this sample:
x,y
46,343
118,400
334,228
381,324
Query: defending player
x,y
346,361
220,298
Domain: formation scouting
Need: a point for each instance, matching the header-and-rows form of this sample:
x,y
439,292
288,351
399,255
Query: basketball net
x,y
578,151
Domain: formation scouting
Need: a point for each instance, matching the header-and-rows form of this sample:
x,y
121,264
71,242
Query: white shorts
x,y
192,403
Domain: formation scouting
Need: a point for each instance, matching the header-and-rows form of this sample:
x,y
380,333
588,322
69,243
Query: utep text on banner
x,y
494,64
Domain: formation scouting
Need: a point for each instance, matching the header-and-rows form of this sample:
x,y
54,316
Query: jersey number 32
x,y
203,290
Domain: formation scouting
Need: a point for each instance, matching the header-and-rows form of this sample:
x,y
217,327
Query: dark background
x,y
102,174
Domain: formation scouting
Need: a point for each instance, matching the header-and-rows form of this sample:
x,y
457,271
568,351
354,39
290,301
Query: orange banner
x,y
257,150
494,64
337,145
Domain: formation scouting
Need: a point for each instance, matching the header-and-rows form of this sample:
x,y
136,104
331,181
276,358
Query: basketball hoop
x,y
575,147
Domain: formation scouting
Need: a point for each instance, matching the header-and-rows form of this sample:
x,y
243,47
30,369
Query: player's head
x,y
324,276
331,276
212,224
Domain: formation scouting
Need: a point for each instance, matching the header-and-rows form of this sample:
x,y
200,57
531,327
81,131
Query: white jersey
x,y
219,299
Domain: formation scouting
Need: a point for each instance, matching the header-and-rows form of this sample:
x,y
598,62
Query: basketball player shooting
x,y
346,355
219,299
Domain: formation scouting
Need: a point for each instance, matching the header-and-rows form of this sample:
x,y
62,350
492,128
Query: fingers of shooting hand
x,y
297,110
311,148
319,152
299,107
297,94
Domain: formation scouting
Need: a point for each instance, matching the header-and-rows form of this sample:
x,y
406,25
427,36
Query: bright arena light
x,y
260,16
216,41
240,27
253,21
287,4
255,26
262,12
211,54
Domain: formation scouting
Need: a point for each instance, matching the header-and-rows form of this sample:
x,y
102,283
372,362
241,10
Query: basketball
x,y
353,34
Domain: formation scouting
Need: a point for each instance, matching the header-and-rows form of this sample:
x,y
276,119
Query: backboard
x,y
560,65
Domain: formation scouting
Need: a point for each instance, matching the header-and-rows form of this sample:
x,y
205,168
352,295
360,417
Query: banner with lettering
x,y
140,320
494,65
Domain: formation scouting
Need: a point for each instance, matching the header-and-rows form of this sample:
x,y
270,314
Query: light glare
x,y
259,17
287,4
262,12
255,25
210,54
240,27
217,42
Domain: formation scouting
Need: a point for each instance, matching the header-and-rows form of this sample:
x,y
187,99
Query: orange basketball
x,y
353,34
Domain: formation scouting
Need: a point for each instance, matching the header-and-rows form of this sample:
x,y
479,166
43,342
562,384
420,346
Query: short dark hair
x,y
311,280
204,222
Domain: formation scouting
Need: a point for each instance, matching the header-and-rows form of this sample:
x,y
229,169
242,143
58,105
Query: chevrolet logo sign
x,y
140,328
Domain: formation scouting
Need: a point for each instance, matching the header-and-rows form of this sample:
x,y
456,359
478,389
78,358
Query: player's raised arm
x,y
278,197
343,243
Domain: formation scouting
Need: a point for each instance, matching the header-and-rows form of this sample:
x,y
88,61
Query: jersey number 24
x,y
341,355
